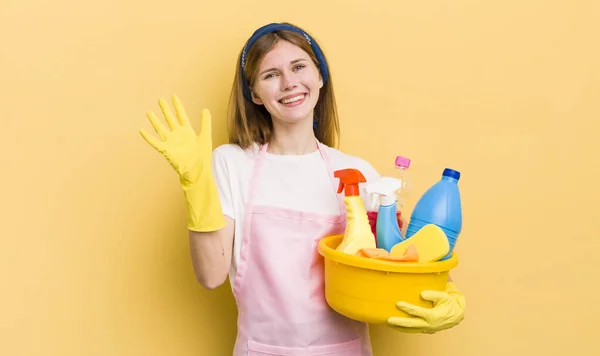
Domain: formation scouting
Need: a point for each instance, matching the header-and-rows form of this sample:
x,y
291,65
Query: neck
x,y
292,139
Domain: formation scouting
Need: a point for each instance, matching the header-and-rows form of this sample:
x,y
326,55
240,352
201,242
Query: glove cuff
x,y
451,287
204,205
453,290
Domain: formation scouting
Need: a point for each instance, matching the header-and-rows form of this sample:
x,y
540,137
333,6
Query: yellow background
x,y
94,257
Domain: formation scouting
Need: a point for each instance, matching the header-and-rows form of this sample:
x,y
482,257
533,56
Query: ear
x,y
255,99
320,82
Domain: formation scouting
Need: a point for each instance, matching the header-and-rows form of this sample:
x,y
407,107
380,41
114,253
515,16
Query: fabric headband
x,y
272,28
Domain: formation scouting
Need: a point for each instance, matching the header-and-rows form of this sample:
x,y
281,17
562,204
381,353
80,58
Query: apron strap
x,y
255,173
334,183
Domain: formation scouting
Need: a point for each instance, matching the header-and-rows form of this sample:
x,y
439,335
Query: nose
x,y
288,81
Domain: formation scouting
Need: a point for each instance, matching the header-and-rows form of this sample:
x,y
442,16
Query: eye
x,y
299,66
269,75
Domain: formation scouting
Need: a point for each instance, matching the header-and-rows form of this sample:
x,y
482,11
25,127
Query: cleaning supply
x,y
440,205
387,230
358,234
400,172
430,241
367,289
372,215
410,254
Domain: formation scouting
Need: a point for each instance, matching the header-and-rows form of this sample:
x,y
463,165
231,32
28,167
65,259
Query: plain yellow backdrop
x,y
94,257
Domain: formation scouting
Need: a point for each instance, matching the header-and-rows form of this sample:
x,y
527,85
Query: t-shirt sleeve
x,y
223,182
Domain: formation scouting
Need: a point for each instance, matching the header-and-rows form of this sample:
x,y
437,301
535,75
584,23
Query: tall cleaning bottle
x,y
358,234
388,230
400,172
440,205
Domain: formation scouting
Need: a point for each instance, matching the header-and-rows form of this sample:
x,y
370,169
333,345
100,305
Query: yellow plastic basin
x,y
367,289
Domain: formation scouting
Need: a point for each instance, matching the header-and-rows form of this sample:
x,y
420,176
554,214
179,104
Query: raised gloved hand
x,y
191,157
448,311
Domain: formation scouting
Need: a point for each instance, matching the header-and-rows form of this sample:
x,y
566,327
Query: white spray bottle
x,y
388,231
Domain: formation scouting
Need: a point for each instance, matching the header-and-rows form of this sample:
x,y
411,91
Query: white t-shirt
x,y
299,182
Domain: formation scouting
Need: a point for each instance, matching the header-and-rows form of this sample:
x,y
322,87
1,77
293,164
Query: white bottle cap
x,y
386,189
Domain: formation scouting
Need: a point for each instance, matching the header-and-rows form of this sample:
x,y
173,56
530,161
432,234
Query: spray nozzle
x,y
386,188
349,179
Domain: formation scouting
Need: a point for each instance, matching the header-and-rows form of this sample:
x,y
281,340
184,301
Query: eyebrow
x,y
292,62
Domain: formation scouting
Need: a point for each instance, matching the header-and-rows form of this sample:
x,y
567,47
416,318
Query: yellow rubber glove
x,y
448,311
191,157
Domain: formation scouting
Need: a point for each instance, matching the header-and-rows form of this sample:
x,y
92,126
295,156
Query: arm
x,y
211,232
211,254
211,251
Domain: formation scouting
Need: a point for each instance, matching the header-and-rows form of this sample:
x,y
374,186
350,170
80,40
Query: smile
x,y
293,99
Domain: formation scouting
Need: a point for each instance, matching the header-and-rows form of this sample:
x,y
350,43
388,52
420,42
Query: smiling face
x,y
287,84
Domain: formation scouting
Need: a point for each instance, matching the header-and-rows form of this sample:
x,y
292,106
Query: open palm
x,y
189,154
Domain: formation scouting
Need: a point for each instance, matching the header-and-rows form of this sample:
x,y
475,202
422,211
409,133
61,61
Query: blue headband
x,y
277,27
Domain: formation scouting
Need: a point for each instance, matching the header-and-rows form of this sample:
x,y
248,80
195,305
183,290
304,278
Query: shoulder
x,y
341,160
230,153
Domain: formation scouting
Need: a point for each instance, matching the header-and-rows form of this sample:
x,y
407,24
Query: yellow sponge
x,y
431,243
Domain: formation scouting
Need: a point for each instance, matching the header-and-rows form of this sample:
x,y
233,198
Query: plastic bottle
x,y
388,231
440,205
400,172
358,234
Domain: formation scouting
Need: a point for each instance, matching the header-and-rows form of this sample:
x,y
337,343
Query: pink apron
x,y
279,287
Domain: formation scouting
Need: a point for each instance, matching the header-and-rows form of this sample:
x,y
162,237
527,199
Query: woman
x,y
258,206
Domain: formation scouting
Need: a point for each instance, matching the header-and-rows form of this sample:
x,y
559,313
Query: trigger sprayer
x,y
388,232
358,233
349,180
386,188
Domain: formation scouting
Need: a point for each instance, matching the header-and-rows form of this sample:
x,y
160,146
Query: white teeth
x,y
291,100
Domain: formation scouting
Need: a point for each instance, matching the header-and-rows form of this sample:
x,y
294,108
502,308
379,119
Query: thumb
x,y
434,296
206,125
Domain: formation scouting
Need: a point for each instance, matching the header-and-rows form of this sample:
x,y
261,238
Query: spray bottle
x,y
388,232
358,234
401,165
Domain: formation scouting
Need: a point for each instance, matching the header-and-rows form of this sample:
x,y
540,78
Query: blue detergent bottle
x,y
388,230
440,205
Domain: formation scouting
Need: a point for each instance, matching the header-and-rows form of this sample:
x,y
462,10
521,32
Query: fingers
x,y
152,141
169,118
181,120
413,309
408,330
158,127
180,110
205,126
412,323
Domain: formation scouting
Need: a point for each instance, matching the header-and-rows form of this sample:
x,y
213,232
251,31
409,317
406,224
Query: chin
x,y
294,116
293,119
